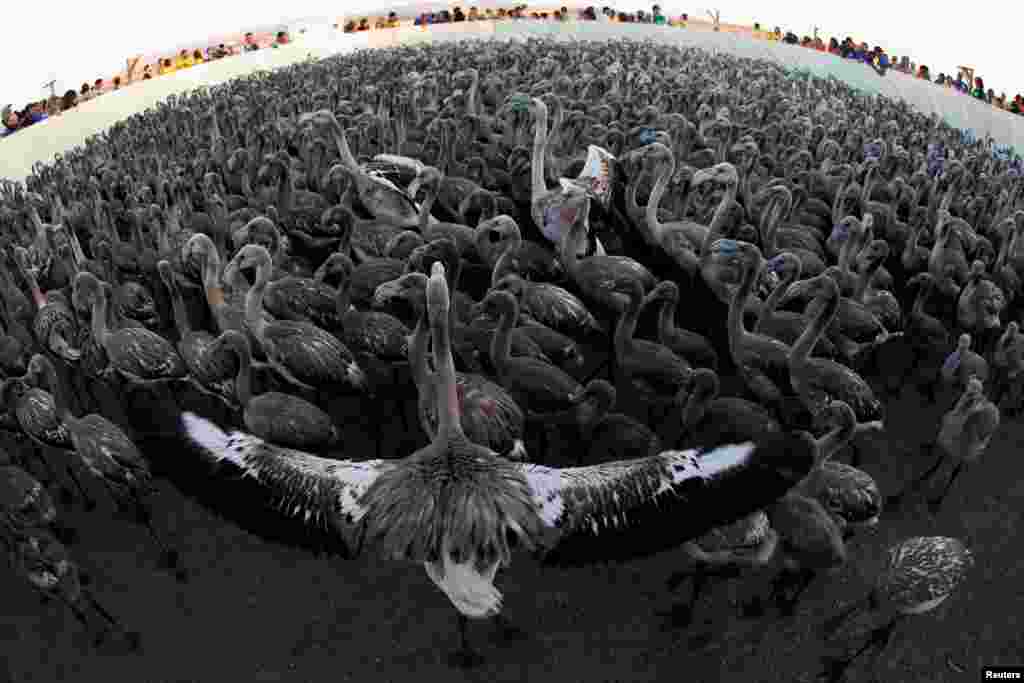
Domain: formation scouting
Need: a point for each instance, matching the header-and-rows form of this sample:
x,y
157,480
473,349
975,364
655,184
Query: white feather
x,y
548,484
349,478
718,460
471,592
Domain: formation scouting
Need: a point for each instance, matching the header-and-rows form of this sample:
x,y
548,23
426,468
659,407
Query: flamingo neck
x,y
60,398
922,298
254,301
719,217
211,280
501,342
285,191
553,138
243,380
654,201
507,263
769,223
737,332
626,327
471,97
38,297
631,192
695,409
864,280
829,444
539,143
448,396
343,149
772,302
343,296
801,349
418,352
570,247
667,319
178,307
428,202
100,332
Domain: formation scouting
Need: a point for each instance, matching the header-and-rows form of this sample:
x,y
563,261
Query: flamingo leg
x,y
134,640
507,630
832,624
680,615
89,503
878,640
465,657
51,476
170,558
919,481
802,582
936,503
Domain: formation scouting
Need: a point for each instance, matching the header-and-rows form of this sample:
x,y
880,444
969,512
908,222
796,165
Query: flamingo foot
x,y
754,609
506,630
680,615
835,669
465,658
65,534
65,496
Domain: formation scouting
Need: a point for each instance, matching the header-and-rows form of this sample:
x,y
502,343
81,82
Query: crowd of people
x,y
41,110
875,57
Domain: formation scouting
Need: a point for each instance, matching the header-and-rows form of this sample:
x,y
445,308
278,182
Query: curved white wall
x,y
19,152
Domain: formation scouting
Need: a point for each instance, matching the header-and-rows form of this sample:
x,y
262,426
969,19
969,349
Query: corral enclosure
x,y
256,610
40,143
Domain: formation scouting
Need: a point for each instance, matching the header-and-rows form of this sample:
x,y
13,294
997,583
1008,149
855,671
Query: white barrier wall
x,y
19,152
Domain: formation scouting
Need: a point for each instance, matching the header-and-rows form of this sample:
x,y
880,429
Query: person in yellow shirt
x,y
197,57
166,67
776,34
184,60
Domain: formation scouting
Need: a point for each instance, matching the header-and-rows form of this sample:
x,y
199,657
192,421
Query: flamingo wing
x,y
632,508
320,492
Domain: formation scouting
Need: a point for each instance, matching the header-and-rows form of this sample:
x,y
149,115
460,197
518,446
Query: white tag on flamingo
x,y
596,175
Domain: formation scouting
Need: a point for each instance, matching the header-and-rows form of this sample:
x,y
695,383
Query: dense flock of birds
x,y
515,235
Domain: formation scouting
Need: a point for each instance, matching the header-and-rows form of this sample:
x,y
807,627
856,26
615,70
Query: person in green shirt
x,y
659,18
979,89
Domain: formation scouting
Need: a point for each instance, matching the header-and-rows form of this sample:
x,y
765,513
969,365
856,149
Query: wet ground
x,y
257,610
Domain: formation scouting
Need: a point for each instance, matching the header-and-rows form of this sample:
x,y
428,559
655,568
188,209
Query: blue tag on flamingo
x,y
728,247
840,232
557,221
648,136
519,103
952,363
775,264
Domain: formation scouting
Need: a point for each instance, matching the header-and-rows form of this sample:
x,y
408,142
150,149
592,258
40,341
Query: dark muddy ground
x,y
260,611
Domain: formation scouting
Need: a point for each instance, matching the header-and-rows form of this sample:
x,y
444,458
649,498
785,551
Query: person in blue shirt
x,y
881,62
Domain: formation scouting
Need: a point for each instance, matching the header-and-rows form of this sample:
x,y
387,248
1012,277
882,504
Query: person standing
x,y
11,122
881,61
